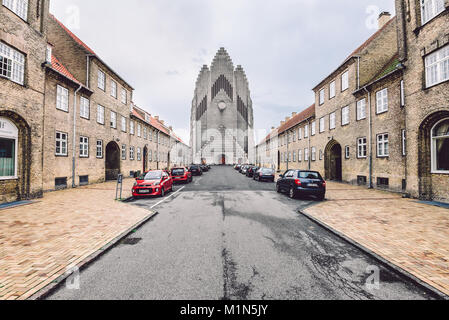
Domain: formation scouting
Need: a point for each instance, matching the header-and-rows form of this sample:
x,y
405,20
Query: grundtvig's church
x,y
222,122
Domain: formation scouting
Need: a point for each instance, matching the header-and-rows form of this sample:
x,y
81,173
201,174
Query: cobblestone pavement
x,y
411,235
40,241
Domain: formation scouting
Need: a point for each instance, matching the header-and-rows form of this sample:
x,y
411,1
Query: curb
x,y
53,286
405,274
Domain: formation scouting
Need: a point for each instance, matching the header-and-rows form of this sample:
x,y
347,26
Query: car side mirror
x,y
281,176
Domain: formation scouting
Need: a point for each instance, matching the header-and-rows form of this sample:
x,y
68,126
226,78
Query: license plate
x,y
144,191
314,185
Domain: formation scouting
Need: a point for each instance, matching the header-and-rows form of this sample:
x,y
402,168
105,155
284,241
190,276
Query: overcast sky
x,y
285,46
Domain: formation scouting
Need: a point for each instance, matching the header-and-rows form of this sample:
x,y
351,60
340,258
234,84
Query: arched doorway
x,y
431,148
15,158
222,159
145,159
333,162
112,161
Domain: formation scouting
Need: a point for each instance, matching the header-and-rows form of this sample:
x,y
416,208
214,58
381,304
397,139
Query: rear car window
x,y
177,172
309,175
267,171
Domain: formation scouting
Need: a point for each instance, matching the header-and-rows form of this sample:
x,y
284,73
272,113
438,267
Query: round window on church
x,y
222,105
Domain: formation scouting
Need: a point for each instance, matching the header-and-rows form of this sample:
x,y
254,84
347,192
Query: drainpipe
x,y
370,139
308,144
74,137
288,158
157,149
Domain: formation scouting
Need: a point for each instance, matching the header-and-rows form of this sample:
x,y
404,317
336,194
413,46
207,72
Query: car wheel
x,y
278,188
162,192
292,194
321,197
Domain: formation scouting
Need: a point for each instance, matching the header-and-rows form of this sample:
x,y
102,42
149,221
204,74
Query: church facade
x,y
222,122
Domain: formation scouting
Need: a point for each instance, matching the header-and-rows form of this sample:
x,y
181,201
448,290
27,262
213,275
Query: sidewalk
x,y
409,234
40,241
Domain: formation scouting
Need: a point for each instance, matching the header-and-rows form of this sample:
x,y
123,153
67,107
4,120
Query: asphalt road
x,y
226,236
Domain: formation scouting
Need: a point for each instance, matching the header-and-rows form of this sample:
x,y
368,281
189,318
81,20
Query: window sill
x,y
66,111
439,172
418,29
435,85
8,178
382,112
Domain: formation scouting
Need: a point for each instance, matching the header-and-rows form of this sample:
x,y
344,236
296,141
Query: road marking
x,y
165,199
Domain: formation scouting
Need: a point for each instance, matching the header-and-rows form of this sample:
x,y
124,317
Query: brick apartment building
x,y
381,118
66,118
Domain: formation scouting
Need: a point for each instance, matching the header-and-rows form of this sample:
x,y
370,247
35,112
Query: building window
x,y
299,133
99,149
322,125
313,128
62,98
345,116
124,96
289,157
294,156
84,108
437,66
84,180
12,64
306,131
138,130
139,154
294,135
383,182
299,155
321,154
430,9
347,152
84,147
48,53
131,153
382,101
306,154
8,149
404,142
345,81
382,145
440,147
151,135
332,120
123,151
150,155
313,154
332,90
61,144
114,89
361,109
145,135
101,80
123,124
322,93
131,127
113,120
100,114
361,148
402,94
19,7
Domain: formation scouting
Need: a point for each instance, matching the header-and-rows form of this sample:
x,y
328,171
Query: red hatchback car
x,y
181,175
153,183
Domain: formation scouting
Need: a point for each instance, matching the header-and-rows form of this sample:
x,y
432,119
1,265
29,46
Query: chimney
x,y
161,121
282,123
272,128
384,17
287,118
294,114
171,128
156,117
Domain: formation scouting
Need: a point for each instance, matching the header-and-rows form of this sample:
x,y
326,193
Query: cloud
x,y
159,46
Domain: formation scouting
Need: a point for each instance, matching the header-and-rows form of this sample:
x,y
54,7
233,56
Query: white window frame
x,y
14,62
131,127
131,153
345,81
313,154
99,149
347,152
62,141
437,66
84,147
345,119
101,80
313,128
332,121
139,154
433,144
300,134
383,146
84,108
124,96
361,109
113,121
402,94
123,125
19,7
322,95
113,89
100,114
12,133
306,154
62,98
124,152
332,90
430,9
139,130
306,131
382,101
300,155
362,151
294,156
322,124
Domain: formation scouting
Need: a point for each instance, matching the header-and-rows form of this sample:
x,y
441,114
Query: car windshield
x,y
309,175
193,167
153,175
177,172
267,171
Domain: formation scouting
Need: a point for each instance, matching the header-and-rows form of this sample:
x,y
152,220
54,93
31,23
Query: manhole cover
x,y
131,241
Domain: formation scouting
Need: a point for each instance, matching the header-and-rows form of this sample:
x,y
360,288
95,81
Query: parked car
x,y
244,169
196,170
181,175
152,183
204,168
237,167
264,174
251,170
209,166
302,182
